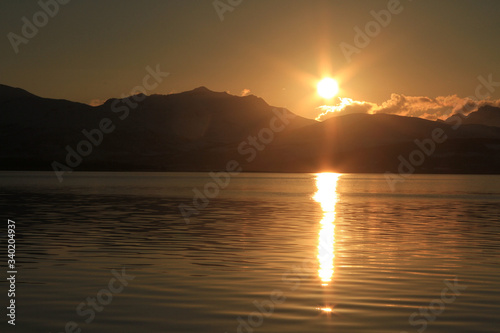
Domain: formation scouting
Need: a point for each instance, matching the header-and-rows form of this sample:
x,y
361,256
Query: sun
x,y
328,88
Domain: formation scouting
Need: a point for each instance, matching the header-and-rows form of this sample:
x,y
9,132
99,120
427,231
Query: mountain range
x,y
202,130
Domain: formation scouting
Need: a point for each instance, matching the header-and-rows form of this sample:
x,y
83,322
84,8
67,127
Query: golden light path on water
x,y
326,195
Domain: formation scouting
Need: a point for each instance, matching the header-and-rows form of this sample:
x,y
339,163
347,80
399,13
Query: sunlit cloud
x,y
97,102
343,107
245,92
441,107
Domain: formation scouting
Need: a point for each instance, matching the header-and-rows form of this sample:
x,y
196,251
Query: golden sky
x,y
276,49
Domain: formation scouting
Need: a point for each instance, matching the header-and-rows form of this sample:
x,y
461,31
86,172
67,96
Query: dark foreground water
x,y
111,252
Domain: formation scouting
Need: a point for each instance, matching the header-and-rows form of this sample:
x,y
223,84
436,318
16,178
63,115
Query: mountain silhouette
x,y
486,115
201,130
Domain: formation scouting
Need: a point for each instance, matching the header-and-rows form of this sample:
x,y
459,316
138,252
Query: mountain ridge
x,y
201,130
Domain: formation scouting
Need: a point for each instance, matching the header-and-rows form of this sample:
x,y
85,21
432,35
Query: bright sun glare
x,y
328,88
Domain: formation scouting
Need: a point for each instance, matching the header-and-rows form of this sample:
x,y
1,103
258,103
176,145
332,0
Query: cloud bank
x,y
441,107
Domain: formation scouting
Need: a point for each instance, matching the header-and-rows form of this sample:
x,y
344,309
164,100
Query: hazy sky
x,y
277,49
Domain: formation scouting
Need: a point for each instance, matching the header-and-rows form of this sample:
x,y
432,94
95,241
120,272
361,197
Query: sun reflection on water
x,y
326,195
